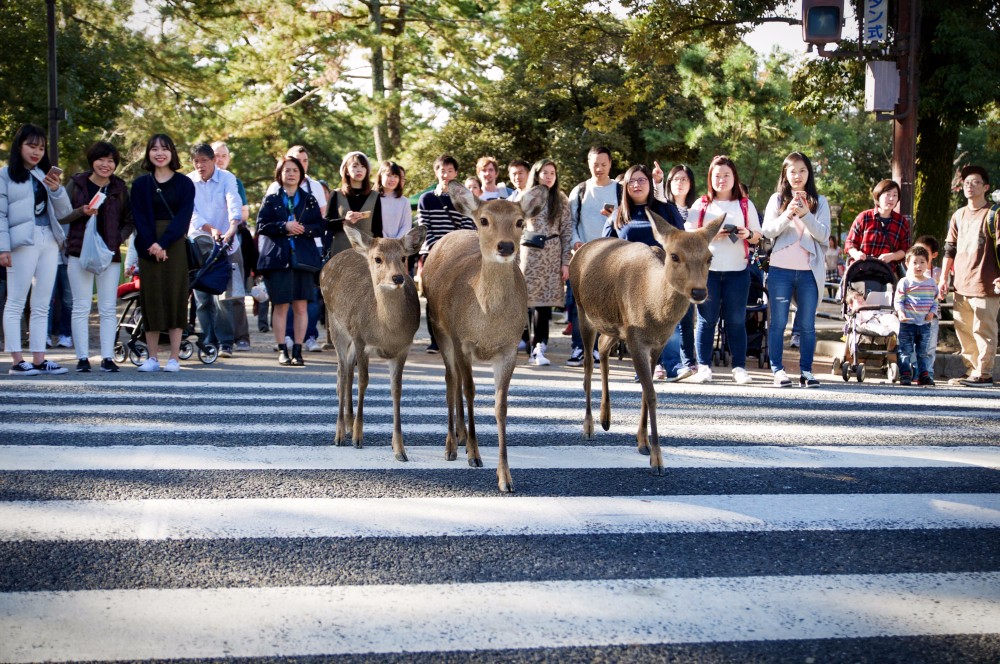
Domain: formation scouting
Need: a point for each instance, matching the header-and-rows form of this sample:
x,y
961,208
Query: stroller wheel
x,y
837,363
892,372
138,353
120,353
845,371
187,350
208,353
861,373
761,360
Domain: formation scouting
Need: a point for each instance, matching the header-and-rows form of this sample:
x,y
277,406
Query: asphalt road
x,y
206,516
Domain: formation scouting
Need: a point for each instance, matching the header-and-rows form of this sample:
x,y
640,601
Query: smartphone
x,y
55,170
609,208
729,228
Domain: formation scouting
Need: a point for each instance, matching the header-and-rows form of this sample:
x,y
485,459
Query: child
x,y
472,184
930,243
916,306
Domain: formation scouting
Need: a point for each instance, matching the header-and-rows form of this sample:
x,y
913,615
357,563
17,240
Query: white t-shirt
x,y
727,256
591,226
311,185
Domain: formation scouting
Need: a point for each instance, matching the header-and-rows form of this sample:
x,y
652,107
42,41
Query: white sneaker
x,y
151,364
659,373
172,365
683,371
741,377
538,358
795,342
65,342
781,379
312,345
703,375
808,380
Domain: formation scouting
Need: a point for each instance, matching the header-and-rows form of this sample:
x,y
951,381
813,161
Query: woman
x,y
880,233
114,226
289,222
31,202
546,267
632,223
354,203
729,274
833,263
162,204
676,366
472,184
797,221
397,216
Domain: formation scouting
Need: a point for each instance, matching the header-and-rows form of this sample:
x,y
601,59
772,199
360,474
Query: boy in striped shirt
x,y
916,306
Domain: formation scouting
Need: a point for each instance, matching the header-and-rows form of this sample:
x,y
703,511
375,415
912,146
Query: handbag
x,y
213,277
95,256
304,262
536,240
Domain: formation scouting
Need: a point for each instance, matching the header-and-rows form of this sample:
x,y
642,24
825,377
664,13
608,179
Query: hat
x,y
361,155
975,170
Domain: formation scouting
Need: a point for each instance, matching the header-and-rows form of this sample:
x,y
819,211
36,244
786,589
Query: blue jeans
x,y
62,303
727,295
679,350
313,310
214,319
932,343
782,286
914,340
573,317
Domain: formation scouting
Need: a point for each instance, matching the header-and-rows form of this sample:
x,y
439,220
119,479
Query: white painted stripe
x,y
162,519
431,457
106,625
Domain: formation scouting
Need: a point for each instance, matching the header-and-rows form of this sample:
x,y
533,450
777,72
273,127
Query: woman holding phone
x,y
354,202
729,274
97,192
31,202
797,220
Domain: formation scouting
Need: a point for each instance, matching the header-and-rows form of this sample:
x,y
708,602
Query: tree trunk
x,y
934,204
383,149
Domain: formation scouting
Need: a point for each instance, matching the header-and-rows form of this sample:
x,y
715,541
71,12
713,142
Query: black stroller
x,y
871,328
756,324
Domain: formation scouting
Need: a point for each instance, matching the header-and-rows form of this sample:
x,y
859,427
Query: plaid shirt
x,y
869,236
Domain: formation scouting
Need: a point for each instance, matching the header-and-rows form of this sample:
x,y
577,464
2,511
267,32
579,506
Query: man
x,y
971,249
235,306
487,170
440,217
590,204
518,170
216,218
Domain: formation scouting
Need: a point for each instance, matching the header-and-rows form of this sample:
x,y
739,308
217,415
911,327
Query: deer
x,y
477,302
372,307
628,291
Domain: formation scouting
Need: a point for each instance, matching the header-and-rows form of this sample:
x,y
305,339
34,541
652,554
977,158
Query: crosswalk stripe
x,y
330,620
157,519
276,457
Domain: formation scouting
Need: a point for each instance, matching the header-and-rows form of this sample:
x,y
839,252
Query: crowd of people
x,y
171,220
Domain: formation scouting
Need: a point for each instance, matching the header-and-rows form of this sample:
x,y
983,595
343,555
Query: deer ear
x,y
711,229
463,199
360,241
533,201
662,229
414,239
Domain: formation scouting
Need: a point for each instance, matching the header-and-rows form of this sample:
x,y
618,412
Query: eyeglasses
x,y
637,182
975,183
680,179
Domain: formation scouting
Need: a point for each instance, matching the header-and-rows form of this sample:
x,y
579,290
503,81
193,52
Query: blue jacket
x,y
640,229
273,242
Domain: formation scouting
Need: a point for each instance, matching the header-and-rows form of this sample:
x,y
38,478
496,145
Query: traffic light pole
x,y
53,147
904,133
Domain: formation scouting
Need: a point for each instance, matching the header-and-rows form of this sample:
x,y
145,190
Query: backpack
x,y
744,206
993,230
581,190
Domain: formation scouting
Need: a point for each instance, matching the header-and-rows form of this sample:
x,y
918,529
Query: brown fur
x,y
627,292
477,305
371,306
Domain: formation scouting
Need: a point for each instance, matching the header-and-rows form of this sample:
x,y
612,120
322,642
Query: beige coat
x,y
542,268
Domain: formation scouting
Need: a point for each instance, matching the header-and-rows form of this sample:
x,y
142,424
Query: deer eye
x,y
483,221
378,260
675,258
519,223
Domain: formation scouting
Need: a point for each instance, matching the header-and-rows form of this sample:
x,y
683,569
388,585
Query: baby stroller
x,y
756,324
871,329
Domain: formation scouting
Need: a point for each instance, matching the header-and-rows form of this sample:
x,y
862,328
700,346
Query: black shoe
x,y
83,366
283,358
108,365
905,380
226,351
433,348
575,358
297,360
925,379
978,381
263,328
23,369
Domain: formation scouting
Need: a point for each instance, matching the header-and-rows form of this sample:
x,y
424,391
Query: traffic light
x,y
822,21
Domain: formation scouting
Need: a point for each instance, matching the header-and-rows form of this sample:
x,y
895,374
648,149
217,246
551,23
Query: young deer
x,y
477,299
627,291
371,306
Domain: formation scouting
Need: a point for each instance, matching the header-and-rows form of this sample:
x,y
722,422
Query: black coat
x,y
273,241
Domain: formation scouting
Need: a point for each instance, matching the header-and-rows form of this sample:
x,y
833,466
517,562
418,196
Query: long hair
x,y
345,173
625,205
692,194
785,189
175,161
32,135
554,202
392,168
723,160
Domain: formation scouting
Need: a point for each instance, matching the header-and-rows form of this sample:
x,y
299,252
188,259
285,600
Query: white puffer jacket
x,y
17,211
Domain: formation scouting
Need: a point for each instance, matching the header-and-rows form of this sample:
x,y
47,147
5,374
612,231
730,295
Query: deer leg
x,y
503,369
343,387
587,334
359,420
396,388
450,381
643,370
469,386
351,363
607,342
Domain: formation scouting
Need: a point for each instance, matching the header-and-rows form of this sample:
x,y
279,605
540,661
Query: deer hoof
x,y
401,456
643,449
605,423
656,470
588,430
450,455
475,462
339,441
506,487
357,444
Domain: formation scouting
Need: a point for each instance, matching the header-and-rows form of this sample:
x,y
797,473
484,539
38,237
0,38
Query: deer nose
x,y
505,248
397,279
699,294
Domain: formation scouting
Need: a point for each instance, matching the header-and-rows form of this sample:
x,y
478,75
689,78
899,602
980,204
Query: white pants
x,y
81,282
32,268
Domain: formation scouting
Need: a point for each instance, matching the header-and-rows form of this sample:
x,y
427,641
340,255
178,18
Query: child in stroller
x,y
871,328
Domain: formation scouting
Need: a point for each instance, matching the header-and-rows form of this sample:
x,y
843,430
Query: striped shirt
x,y
915,299
440,217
